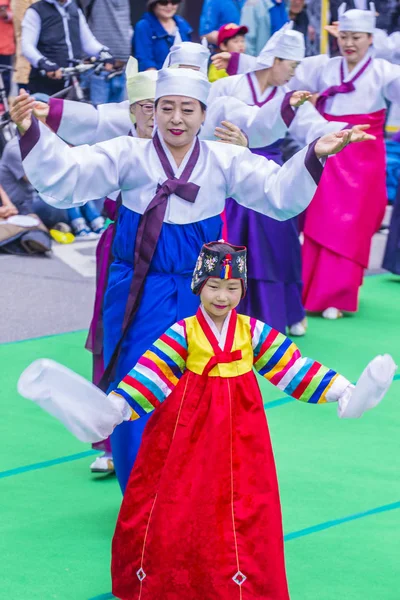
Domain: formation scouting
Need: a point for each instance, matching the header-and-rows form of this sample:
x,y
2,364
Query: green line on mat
x,y
47,463
328,524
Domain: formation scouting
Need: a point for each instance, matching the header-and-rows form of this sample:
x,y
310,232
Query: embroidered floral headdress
x,y
222,260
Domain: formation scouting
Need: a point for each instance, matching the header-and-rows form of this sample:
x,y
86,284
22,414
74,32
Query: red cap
x,y
226,32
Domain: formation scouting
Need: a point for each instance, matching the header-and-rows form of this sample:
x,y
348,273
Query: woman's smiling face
x,y
179,119
354,45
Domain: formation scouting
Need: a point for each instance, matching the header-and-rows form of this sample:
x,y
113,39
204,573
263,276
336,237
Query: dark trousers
x,y
44,85
5,59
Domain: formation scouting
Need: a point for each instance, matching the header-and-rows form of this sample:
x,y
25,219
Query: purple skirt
x,y
274,260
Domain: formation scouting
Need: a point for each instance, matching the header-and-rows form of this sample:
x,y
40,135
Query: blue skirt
x,y
166,298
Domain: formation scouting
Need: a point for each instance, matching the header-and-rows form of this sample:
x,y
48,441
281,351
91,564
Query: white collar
x,y
261,96
177,170
219,335
357,68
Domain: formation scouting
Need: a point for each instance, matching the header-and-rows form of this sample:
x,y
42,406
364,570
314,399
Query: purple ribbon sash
x,y
345,87
147,237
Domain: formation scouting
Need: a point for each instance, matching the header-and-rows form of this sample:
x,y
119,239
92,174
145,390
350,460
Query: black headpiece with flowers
x,y
222,260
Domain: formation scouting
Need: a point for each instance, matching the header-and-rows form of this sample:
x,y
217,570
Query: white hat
x,y
188,54
286,44
183,82
362,21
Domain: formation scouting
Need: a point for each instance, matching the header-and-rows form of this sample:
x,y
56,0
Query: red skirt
x,y
201,516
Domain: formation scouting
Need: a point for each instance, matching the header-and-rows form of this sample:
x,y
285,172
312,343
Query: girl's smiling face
x,y
219,296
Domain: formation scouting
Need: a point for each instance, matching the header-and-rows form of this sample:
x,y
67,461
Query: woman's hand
x,y
231,134
298,98
8,211
332,143
313,99
221,60
41,111
333,29
21,111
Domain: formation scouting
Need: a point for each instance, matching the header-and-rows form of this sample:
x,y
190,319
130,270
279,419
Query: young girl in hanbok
x,y
201,516
173,190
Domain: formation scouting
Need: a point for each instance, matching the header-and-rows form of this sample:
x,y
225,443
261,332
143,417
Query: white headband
x,y
183,82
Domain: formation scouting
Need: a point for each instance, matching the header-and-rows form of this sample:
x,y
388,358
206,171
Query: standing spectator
x,y
157,31
215,14
22,67
395,18
298,13
299,16
54,33
231,38
263,18
314,28
110,22
7,45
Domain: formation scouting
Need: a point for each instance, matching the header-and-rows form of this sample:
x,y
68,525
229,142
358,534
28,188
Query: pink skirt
x,y
329,279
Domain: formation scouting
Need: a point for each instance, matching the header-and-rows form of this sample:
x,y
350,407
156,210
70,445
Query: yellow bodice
x,y
200,350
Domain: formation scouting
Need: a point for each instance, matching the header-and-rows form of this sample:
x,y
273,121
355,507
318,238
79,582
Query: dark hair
x,y
203,106
222,247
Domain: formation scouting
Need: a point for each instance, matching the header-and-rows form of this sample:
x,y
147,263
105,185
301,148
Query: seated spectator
x,y
7,44
157,31
20,192
263,18
215,13
54,34
21,232
86,222
231,38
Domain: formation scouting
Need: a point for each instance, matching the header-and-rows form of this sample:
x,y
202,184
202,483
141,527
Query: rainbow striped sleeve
x,y
156,373
279,360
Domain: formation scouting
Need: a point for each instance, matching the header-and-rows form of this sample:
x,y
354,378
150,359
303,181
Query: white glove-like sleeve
x,y
88,413
372,386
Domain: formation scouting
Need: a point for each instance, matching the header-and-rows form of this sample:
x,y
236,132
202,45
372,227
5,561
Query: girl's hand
x,y
21,111
298,98
231,134
332,143
221,60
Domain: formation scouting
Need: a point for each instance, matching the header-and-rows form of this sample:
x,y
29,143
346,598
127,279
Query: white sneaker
x,y
332,313
298,329
103,464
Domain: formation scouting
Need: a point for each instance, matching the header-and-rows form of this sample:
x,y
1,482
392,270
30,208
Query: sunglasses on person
x,y
166,2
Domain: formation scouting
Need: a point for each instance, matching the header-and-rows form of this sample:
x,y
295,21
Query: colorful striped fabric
x,y
156,373
279,360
